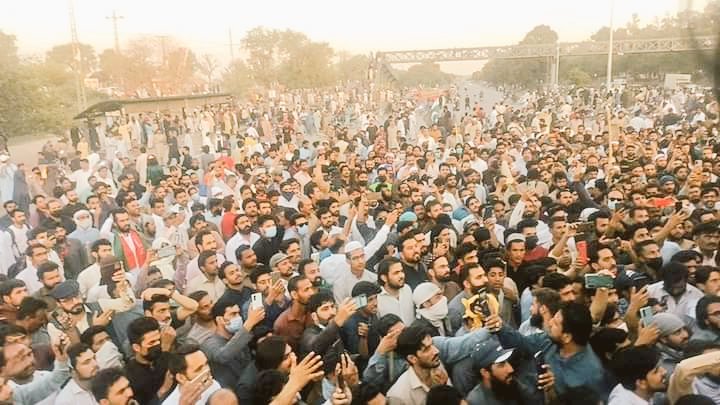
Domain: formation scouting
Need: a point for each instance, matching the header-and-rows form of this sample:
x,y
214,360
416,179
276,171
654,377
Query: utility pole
x,y
232,50
608,82
114,17
163,49
77,59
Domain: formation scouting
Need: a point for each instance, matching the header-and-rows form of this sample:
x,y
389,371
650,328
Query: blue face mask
x,y
234,326
302,230
271,232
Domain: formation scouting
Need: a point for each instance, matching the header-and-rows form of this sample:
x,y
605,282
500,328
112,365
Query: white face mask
x,y
436,313
84,223
109,356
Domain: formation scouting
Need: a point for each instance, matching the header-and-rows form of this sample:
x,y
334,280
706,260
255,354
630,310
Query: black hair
x,y
139,327
200,235
74,351
465,270
95,247
103,380
556,281
204,257
365,392
409,342
702,273
605,341
444,395
221,306
29,307
674,272
293,283
701,312
386,322
695,399
7,286
270,353
384,268
46,267
318,299
7,330
89,334
257,272
634,363
177,363
268,384
577,322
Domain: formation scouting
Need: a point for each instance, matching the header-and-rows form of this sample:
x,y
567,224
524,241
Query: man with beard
x,y
293,321
498,385
72,253
236,290
273,295
310,269
396,297
128,246
672,341
708,320
74,316
439,274
204,242
410,255
648,259
474,281
203,323
565,347
415,345
545,304
188,365
208,281
707,236
328,320
147,369
358,336
49,276
56,217
84,368
156,304
20,383
639,376
73,204
673,291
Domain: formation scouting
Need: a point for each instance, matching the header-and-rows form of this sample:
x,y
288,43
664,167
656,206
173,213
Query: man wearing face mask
x,y
84,232
106,353
528,227
288,199
270,238
227,349
432,308
679,297
147,369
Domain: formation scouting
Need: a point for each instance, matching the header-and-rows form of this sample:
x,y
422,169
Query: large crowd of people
x,y
356,246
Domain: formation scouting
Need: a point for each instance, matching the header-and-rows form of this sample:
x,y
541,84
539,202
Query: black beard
x,y
504,391
536,320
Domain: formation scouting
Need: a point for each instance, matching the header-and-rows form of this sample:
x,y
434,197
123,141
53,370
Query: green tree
x,y
63,55
261,45
426,73
351,67
237,78
8,50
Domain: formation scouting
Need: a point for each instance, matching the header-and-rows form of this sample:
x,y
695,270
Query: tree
x,y
8,50
351,67
237,78
579,78
426,73
63,56
208,65
260,44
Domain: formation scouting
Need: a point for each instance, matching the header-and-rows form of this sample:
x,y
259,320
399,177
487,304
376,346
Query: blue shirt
x,y
581,369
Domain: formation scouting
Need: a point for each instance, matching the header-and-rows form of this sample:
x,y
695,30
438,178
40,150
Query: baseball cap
x,y
277,258
488,353
424,292
66,289
667,323
407,216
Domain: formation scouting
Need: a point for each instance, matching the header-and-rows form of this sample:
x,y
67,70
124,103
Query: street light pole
x,y
610,47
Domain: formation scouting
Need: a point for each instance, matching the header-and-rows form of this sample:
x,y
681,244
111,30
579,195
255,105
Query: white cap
x,y
424,292
514,237
354,245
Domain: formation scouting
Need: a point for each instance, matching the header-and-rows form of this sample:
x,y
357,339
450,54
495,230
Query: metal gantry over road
x,y
551,51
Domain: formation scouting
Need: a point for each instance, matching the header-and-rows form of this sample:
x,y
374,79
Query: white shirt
x,y
193,270
73,394
684,306
174,397
50,400
236,241
29,276
622,396
333,266
401,306
342,287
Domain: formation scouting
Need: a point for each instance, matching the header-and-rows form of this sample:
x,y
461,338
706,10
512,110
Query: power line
x,y
114,17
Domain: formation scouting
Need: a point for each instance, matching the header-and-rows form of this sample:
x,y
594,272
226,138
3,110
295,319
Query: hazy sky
x,y
358,26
